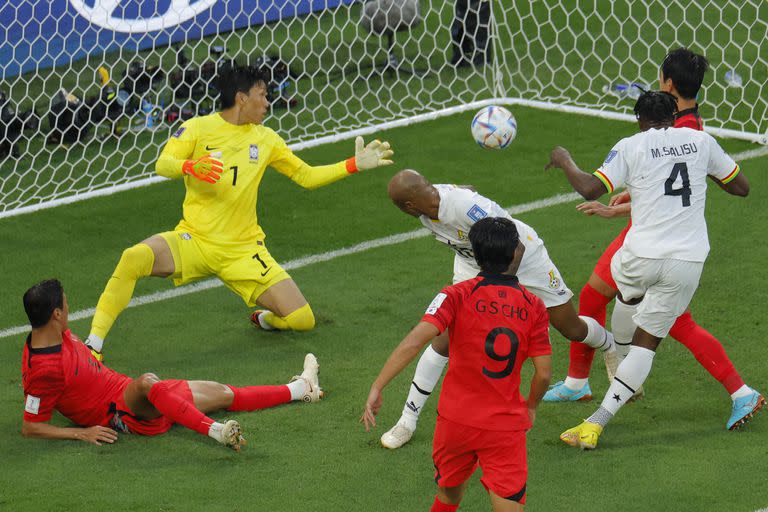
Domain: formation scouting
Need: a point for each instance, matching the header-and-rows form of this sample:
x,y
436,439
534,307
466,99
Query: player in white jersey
x,y
657,270
449,212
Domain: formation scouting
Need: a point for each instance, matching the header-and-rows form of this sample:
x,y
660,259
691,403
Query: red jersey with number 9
x,y
494,325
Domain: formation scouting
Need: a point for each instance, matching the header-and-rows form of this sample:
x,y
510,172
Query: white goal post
x,y
91,89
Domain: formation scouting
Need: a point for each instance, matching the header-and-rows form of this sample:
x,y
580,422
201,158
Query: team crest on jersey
x,y
554,281
611,155
253,153
476,213
186,236
461,235
178,132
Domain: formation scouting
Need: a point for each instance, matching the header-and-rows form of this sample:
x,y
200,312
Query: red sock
x,y
591,303
439,506
177,409
707,350
252,398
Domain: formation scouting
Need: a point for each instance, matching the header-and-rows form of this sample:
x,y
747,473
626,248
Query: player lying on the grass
x,y
681,74
222,158
657,269
59,372
449,212
494,324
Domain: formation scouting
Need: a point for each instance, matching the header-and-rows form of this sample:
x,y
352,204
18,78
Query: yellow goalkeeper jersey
x,y
226,211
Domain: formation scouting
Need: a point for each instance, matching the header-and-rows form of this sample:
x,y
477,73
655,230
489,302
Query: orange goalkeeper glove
x,y
206,168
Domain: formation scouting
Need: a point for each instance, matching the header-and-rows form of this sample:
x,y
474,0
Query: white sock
x,y
428,371
297,388
623,327
741,392
574,383
214,431
630,375
94,342
597,337
263,323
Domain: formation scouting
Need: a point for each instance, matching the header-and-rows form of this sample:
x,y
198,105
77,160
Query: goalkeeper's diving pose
x,y
222,158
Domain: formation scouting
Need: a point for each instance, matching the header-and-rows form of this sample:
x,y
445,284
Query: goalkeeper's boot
x,y
397,436
313,392
257,319
559,392
744,408
584,436
232,435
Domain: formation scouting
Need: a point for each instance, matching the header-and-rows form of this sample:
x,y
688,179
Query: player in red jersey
x,y
681,74
59,372
494,324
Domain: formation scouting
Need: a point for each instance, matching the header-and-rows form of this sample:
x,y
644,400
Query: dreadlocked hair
x,y
656,107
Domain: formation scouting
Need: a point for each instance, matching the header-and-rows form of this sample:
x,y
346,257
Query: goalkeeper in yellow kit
x,y
222,158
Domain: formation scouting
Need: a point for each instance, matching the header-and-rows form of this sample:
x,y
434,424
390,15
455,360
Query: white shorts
x,y
537,273
666,286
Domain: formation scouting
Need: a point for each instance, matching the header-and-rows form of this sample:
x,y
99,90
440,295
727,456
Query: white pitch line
x,y
300,262
748,154
337,253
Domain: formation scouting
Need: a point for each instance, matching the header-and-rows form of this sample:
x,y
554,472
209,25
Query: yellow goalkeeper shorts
x,y
246,269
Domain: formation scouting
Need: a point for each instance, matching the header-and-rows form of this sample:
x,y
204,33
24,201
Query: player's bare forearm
x,y
401,357
94,435
405,352
540,380
739,186
605,211
588,185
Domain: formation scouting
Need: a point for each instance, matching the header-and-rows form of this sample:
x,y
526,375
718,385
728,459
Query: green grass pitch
x,y
669,451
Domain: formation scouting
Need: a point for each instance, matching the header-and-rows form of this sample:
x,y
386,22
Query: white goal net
x,y
91,89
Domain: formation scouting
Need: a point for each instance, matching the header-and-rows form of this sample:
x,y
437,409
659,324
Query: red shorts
x,y
458,449
603,267
125,421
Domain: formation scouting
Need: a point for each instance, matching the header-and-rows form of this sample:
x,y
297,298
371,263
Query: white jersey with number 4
x,y
459,209
665,171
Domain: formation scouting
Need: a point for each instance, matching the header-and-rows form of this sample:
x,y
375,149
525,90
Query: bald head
x,y
413,194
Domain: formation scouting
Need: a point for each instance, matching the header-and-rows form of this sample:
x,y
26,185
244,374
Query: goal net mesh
x,y
91,89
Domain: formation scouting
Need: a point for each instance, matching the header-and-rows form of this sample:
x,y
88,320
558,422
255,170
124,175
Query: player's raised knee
x,y
146,381
137,260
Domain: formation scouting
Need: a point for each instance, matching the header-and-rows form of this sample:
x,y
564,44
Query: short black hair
x,y
656,107
233,78
494,240
686,70
41,300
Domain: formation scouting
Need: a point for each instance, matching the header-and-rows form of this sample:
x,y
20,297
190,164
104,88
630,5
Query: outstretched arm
x,y
94,435
401,357
375,154
588,185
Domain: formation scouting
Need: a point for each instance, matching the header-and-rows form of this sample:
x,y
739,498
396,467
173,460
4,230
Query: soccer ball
x,y
494,127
